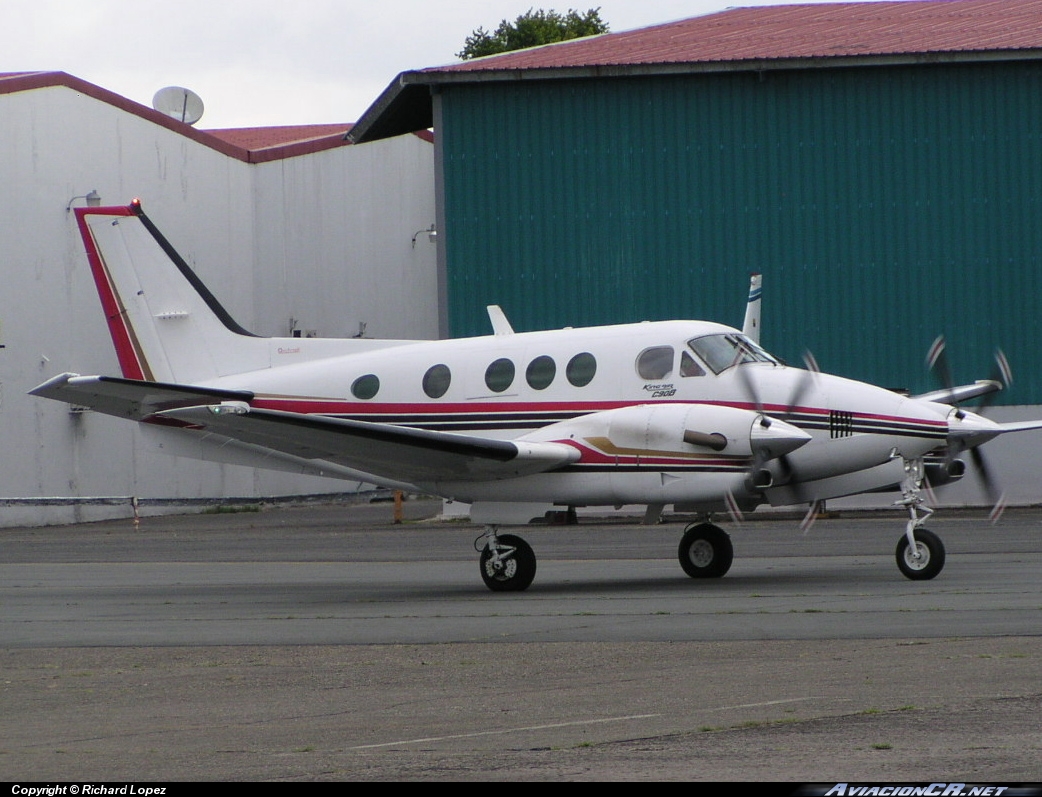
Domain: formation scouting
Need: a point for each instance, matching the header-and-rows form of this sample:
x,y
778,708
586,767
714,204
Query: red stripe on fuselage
x,y
419,412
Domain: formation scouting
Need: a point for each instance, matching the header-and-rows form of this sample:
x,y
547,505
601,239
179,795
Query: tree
x,y
531,29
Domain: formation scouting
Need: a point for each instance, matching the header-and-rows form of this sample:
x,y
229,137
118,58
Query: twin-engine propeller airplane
x,y
688,413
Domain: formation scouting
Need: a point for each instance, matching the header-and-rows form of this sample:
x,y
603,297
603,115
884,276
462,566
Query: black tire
x,y
518,567
705,551
931,560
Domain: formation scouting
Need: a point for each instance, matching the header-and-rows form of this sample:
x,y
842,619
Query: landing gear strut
x,y
920,552
507,562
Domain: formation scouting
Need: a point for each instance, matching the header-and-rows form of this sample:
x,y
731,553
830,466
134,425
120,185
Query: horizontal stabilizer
x,y
383,450
130,398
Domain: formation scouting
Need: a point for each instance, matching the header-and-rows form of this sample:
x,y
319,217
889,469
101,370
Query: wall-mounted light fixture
x,y
432,234
93,200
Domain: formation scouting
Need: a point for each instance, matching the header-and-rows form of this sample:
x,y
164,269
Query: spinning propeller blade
x,y
733,509
1001,373
752,394
812,515
996,496
807,380
937,361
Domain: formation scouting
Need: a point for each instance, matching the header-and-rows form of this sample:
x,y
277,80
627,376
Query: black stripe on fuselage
x,y
520,421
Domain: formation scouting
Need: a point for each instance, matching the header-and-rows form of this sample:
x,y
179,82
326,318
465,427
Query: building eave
x,y
406,105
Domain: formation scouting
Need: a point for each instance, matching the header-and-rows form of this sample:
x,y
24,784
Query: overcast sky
x,y
273,62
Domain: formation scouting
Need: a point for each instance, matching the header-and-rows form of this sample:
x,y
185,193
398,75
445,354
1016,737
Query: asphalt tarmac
x,y
324,642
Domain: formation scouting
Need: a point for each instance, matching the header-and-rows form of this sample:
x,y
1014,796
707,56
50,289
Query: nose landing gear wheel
x,y
516,566
705,551
930,557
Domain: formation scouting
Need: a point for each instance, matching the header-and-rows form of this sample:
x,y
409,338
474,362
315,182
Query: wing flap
x,y
384,450
130,398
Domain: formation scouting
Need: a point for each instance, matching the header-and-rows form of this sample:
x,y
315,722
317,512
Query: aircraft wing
x,y
130,398
1020,426
392,452
953,395
395,453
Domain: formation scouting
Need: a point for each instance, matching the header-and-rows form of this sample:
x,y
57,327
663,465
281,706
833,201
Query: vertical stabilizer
x,y
165,324
751,326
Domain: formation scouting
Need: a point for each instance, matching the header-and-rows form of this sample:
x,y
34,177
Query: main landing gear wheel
x,y
705,551
514,570
930,558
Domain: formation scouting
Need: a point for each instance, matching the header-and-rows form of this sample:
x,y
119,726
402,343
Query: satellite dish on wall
x,y
179,103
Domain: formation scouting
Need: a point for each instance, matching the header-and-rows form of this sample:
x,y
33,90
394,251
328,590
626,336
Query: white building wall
x,y
324,238
349,222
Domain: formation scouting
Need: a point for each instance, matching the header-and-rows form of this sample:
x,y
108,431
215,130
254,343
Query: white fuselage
x,y
540,385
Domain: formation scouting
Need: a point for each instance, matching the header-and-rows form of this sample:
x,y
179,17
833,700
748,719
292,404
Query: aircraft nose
x,y
772,438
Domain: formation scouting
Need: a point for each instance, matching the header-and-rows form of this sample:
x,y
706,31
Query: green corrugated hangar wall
x,y
884,206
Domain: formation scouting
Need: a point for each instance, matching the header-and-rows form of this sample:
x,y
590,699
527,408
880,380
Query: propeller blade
x,y
807,380
1001,373
733,509
937,363
810,517
996,511
996,497
749,388
811,362
929,488
753,476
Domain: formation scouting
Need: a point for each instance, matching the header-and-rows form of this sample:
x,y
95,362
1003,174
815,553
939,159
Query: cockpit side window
x,y
689,366
655,363
720,352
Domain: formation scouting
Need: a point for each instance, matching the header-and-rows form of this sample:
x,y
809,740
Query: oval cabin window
x,y
436,381
365,387
499,375
581,369
541,372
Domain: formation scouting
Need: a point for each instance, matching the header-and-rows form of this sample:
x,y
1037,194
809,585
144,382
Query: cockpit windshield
x,y
720,352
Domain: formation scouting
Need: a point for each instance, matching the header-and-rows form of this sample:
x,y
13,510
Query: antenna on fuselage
x,y
751,326
500,324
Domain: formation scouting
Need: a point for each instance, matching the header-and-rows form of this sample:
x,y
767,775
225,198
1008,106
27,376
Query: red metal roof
x,y
826,30
275,143
824,34
254,138
251,144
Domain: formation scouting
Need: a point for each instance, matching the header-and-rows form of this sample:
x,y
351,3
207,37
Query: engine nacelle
x,y
694,454
945,472
680,434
